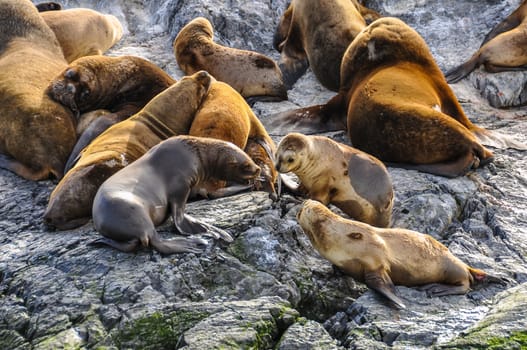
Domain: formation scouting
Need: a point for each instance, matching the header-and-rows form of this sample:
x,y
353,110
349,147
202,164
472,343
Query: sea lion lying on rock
x,y
137,198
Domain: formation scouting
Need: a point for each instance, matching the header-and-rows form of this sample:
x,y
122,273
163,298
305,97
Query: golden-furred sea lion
x,y
225,115
143,195
36,133
503,49
253,75
83,32
122,85
168,114
331,172
382,257
316,33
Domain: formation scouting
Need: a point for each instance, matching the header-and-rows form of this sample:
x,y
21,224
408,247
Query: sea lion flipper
x,y
381,282
439,289
497,140
217,233
228,191
178,244
504,26
292,69
127,247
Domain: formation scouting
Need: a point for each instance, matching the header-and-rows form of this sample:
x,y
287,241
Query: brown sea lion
x,y
137,198
225,115
168,114
503,49
316,33
122,85
382,257
36,133
48,6
253,75
331,172
83,32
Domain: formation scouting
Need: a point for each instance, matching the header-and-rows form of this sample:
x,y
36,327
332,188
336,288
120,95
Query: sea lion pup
x,y
382,257
316,33
36,133
225,115
137,198
331,172
48,6
122,85
168,114
83,32
253,75
503,49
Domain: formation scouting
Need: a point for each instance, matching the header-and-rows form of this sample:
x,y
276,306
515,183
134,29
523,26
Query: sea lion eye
x,y
290,160
71,74
85,93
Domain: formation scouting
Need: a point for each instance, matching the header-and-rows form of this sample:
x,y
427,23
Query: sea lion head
x,y
313,217
48,6
234,164
291,152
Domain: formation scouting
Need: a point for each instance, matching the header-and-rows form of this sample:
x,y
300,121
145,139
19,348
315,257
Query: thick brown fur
x,y
36,133
83,32
503,49
225,115
331,172
134,200
250,73
122,85
168,114
382,257
316,33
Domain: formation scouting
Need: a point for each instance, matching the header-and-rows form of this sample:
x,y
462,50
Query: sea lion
x,y
503,49
83,32
331,172
382,257
316,33
36,133
253,75
137,198
168,114
122,85
397,106
225,115
48,6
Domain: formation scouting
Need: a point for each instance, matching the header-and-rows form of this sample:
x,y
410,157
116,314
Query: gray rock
x,y
269,288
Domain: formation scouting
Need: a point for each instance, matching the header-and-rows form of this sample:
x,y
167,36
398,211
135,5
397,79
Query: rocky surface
x,y
269,288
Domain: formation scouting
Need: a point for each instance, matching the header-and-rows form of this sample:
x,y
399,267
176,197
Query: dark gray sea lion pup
x,y
168,114
36,133
137,198
382,257
331,172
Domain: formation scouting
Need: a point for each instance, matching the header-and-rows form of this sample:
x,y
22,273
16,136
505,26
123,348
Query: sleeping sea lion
x,y
36,133
137,198
503,49
168,114
253,75
331,172
382,257
83,32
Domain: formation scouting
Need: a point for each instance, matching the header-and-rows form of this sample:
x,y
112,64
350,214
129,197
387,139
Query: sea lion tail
x,y
497,140
456,74
178,244
481,277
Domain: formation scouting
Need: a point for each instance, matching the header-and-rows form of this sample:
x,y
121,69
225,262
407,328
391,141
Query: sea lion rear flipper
x,y
382,283
127,247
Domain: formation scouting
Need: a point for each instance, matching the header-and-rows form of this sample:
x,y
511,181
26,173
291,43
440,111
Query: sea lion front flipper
x,y
439,289
228,191
127,247
216,233
504,26
497,140
178,244
382,283
292,69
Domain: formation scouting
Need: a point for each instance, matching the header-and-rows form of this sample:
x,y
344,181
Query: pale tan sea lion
x,y
225,115
503,49
137,198
168,114
36,133
382,257
331,172
83,32
253,75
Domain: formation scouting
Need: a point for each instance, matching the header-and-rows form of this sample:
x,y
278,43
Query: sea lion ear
x,y
72,74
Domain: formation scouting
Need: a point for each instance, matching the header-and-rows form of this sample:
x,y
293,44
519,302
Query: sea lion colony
x,y
63,91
